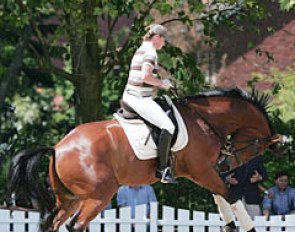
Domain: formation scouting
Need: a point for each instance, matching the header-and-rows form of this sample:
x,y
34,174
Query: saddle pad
x,y
142,143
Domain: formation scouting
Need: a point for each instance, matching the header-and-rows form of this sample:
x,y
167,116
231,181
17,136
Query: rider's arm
x,y
148,77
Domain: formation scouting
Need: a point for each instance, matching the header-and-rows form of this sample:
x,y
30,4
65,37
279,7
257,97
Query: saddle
x,y
165,103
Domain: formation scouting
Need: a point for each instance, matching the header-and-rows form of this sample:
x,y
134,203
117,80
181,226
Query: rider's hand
x,y
166,84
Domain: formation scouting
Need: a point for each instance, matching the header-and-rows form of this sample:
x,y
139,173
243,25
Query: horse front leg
x,y
227,202
226,213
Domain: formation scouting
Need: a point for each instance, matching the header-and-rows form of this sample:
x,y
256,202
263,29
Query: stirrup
x,y
167,177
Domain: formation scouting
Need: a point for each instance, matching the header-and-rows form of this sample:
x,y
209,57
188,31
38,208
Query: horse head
x,y
240,121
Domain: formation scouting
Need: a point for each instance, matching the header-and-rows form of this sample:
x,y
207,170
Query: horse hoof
x,y
73,228
68,227
229,229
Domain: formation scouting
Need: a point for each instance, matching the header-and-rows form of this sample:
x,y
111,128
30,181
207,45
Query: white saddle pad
x,y
142,143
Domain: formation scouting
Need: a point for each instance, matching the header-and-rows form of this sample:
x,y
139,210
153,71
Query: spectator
x,y
136,195
281,197
245,182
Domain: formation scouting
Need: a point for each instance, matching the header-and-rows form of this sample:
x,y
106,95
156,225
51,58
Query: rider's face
x,y
159,41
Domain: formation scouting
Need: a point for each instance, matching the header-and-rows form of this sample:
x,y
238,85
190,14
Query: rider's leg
x,y
152,112
164,172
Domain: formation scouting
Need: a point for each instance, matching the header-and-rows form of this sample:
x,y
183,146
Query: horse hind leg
x,y
66,210
89,209
47,220
59,215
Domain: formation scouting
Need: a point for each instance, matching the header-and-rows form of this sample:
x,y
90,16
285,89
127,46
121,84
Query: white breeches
x,y
147,108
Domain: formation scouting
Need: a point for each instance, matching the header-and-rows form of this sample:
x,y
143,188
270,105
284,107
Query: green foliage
x,y
283,119
42,117
287,4
284,157
283,86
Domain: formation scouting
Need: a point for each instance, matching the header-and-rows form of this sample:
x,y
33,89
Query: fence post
x,y
154,216
168,219
290,226
110,221
96,224
125,219
199,221
33,221
214,218
5,220
141,221
19,221
259,223
183,216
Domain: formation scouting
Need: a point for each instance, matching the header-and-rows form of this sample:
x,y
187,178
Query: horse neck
x,y
227,115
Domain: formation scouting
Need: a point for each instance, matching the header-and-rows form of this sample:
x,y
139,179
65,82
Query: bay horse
x,y
89,164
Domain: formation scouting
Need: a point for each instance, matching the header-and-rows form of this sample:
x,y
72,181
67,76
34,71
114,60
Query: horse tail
x,y
24,178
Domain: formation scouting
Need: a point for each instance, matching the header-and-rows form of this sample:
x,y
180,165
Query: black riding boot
x,y
164,172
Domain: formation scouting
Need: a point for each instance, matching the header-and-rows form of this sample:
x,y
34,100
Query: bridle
x,y
230,151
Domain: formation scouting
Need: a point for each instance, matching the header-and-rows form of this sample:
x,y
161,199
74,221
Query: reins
x,y
183,99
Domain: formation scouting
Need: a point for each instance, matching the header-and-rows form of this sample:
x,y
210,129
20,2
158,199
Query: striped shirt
x,y
145,55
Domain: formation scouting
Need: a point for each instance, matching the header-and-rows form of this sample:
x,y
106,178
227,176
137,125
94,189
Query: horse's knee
x,y
231,198
217,199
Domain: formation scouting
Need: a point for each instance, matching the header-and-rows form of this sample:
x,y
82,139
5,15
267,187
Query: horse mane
x,y
260,101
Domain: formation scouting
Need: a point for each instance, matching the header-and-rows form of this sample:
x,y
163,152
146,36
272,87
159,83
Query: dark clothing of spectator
x,y
244,188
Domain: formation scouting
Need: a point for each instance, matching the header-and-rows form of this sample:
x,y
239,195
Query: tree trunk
x,y
88,91
8,82
89,85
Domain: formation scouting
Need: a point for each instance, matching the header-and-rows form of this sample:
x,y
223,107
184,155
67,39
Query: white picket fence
x,y
171,220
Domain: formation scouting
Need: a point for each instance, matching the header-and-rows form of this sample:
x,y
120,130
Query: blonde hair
x,y
149,35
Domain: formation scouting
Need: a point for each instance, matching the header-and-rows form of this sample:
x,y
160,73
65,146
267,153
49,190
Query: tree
x,y
85,35
86,43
